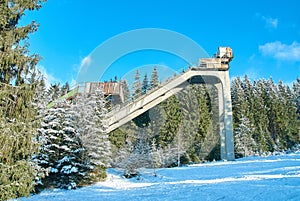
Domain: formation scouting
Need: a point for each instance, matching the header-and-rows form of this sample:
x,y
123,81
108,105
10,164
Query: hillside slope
x,y
255,178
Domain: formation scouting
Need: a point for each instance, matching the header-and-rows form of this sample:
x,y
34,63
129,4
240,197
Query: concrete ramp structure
x,y
195,75
212,71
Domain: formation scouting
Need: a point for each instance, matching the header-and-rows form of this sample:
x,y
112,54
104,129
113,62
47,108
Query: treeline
x,y
266,115
184,128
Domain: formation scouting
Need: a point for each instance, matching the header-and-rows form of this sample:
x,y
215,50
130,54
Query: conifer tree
x,y
261,135
287,117
64,89
145,85
54,92
272,103
140,155
15,61
155,156
18,125
244,143
122,141
205,118
240,105
172,119
125,89
18,121
91,111
61,150
190,121
154,78
296,92
137,87
248,91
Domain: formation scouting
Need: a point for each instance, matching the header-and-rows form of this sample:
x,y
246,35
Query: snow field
x,y
253,178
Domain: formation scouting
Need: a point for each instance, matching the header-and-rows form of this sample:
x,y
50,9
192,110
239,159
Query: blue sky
x,y
264,35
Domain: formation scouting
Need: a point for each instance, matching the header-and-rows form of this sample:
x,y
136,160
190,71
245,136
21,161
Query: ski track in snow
x,y
253,178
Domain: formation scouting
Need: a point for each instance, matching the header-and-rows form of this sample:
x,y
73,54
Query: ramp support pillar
x,y
225,117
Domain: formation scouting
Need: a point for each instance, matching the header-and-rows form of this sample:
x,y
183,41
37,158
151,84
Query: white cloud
x,y
86,61
269,21
49,78
281,51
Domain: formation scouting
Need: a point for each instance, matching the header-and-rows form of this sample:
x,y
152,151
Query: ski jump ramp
x,y
219,78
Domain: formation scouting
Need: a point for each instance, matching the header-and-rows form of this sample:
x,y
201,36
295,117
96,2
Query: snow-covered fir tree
x,y
155,156
244,143
154,82
136,85
90,115
140,153
262,136
61,150
145,85
296,92
125,89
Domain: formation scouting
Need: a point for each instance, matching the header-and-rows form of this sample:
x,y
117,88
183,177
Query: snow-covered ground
x,y
254,178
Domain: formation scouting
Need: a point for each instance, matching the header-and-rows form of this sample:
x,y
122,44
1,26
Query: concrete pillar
x,y
225,117
229,140
221,121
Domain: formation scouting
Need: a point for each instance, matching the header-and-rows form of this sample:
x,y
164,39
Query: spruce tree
x,y
145,85
18,121
90,115
205,120
54,92
125,90
15,60
244,143
296,92
248,91
64,89
240,105
154,82
140,155
137,87
61,151
261,135
18,124
122,141
287,117
171,120
190,121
